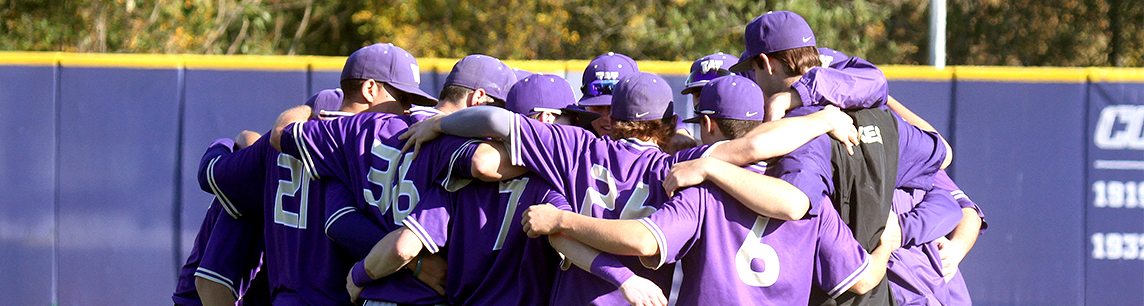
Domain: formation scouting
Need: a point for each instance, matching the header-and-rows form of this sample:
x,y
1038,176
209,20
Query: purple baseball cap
x,y
831,57
391,65
730,97
540,93
602,75
642,97
484,72
328,100
772,32
521,73
707,68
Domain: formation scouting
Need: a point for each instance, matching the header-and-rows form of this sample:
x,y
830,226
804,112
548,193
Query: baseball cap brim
x,y
744,63
693,86
695,119
579,111
601,100
419,97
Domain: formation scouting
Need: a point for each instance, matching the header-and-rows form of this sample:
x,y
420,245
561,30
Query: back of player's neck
x,y
448,107
353,107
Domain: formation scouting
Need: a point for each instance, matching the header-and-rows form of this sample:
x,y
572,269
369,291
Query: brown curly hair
x,y
658,131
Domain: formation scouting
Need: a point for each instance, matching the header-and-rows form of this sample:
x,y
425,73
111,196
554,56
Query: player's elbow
x,y
489,164
484,168
646,247
797,205
865,284
644,244
407,246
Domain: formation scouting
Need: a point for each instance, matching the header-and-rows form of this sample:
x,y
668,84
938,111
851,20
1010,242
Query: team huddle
x,y
806,184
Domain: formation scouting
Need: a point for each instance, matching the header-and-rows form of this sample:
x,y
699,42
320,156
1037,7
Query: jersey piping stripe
x,y
448,183
218,278
419,231
711,149
337,214
849,281
304,151
514,145
226,204
660,240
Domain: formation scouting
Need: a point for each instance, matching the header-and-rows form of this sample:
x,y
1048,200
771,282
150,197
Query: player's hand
x,y
353,290
432,272
541,220
420,133
892,236
842,126
642,292
686,174
245,139
952,252
777,105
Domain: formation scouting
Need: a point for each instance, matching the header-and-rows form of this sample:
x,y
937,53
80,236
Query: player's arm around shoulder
x,y
777,138
767,196
620,237
891,240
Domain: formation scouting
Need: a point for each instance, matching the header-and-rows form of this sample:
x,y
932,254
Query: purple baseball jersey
x,y
601,178
233,256
302,264
920,153
231,251
925,216
914,271
491,260
185,293
852,84
808,168
856,83
958,292
736,257
363,153
942,180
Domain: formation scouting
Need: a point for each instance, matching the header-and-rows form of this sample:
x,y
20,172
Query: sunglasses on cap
x,y
600,87
718,73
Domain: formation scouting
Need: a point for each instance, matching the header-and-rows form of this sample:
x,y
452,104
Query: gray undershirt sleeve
x,y
479,121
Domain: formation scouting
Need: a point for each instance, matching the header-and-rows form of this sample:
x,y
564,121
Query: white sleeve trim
x,y
337,214
514,143
661,242
218,278
959,195
222,198
451,184
421,234
849,281
711,149
304,151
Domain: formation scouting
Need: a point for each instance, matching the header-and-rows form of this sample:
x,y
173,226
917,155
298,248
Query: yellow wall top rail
x,y
442,65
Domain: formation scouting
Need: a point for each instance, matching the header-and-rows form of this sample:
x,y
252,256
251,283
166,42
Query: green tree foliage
x,y
188,26
980,32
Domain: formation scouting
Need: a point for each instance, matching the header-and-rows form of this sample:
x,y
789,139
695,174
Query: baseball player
x,y
786,61
599,80
609,179
721,239
324,148
304,265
